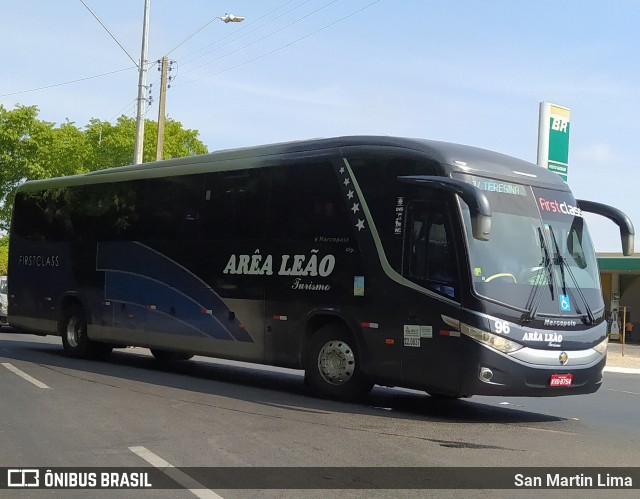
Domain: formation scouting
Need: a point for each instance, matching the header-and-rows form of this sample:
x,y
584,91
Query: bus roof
x,y
451,157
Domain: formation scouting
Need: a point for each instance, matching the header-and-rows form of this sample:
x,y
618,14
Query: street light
x,y
142,79
230,18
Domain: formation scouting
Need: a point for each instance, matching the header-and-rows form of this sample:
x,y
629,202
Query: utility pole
x,y
142,87
161,107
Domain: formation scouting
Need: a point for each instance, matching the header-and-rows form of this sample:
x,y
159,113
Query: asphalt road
x,y
131,411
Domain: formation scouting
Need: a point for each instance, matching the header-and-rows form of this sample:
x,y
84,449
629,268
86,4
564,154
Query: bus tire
x,y
75,341
169,356
333,367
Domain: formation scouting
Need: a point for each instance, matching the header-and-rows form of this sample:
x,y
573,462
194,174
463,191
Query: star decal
x,y
352,196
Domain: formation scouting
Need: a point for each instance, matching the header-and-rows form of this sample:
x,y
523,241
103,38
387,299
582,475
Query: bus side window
x,y
307,204
235,205
171,208
431,257
29,218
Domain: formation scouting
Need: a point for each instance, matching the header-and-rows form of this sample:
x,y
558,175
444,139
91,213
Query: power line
x,y
279,48
265,36
54,85
189,61
67,82
192,35
125,110
130,107
108,31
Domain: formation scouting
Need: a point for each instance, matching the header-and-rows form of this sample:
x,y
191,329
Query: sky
x,y
464,71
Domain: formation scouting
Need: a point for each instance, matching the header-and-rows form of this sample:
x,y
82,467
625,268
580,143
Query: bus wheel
x,y
169,356
333,365
75,341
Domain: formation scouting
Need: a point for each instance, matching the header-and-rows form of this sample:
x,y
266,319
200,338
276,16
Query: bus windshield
x,y
540,257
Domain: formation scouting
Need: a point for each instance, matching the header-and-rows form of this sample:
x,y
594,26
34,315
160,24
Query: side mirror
x,y
627,231
470,194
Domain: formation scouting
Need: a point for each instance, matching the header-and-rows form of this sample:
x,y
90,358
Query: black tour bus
x,y
362,260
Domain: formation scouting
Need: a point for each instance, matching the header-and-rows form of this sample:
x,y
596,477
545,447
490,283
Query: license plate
x,y
561,380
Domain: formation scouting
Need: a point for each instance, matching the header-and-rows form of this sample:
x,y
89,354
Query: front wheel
x,y
333,367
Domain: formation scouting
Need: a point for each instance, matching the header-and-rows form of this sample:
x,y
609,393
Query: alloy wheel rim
x,y
336,362
73,332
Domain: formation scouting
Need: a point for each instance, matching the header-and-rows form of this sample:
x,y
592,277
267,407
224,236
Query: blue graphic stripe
x,y
174,288
171,306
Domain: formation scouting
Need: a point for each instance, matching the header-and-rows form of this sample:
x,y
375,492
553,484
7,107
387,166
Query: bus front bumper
x,y
534,375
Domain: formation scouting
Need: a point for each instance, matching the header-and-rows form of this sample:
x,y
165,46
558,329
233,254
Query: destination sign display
x,y
497,186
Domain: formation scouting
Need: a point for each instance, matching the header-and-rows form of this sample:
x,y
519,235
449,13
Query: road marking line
x,y
24,375
622,391
551,431
170,470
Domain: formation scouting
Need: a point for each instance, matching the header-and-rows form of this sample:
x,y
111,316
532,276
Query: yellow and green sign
x,y
553,138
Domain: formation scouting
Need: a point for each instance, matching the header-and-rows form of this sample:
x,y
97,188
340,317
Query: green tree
x,y
19,134
64,151
4,254
112,145
34,149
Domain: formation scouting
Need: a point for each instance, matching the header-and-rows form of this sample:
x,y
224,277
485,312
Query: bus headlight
x,y
601,347
493,340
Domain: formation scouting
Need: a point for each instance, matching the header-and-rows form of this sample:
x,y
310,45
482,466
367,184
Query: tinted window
x,y
106,211
29,220
430,256
235,204
307,204
80,213
171,207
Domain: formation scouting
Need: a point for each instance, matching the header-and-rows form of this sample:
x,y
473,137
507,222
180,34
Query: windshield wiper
x,y
561,262
535,297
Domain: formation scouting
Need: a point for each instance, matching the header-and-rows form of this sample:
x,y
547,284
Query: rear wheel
x,y
333,365
75,341
169,356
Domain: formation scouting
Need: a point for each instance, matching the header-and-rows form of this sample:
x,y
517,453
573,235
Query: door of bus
x,y
430,348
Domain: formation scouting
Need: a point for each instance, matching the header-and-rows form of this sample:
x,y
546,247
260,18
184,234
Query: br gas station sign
x,y
553,138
